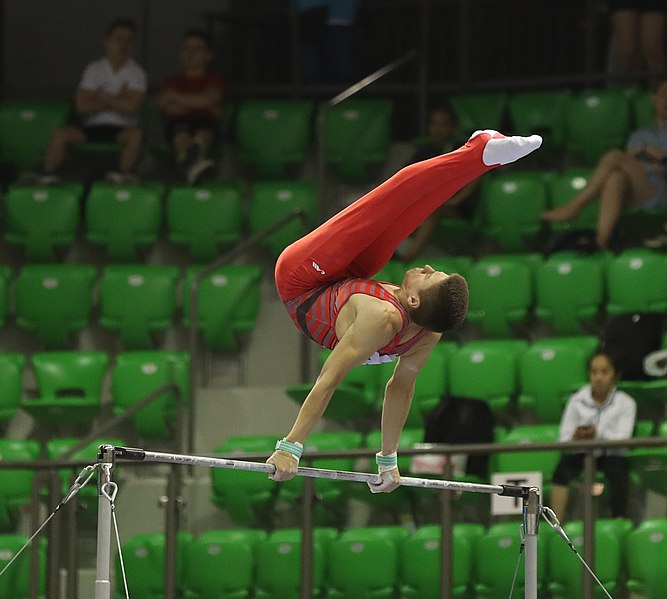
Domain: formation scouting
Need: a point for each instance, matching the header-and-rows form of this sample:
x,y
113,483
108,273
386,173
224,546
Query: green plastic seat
x,y
274,135
421,559
570,293
642,107
16,581
16,485
484,371
228,304
548,375
135,374
204,219
26,128
123,219
501,295
512,205
137,302
144,560
220,564
586,343
431,384
5,278
480,110
272,200
649,464
448,264
637,282
647,555
42,220
562,187
11,384
246,496
392,272
69,384
597,120
54,301
279,566
541,112
357,137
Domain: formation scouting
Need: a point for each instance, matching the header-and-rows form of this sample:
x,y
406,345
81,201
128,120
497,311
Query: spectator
x,y
635,176
107,103
191,103
443,136
597,411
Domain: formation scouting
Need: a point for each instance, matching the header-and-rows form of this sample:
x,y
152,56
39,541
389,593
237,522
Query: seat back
x,y
54,301
272,200
204,218
228,304
26,128
16,581
647,555
562,188
11,384
135,374
123,219
530,461
480,111
274,134
637,282
357,137
137,301
41,219
541,112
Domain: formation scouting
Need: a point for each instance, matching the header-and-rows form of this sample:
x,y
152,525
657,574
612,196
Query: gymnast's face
x,y
417,280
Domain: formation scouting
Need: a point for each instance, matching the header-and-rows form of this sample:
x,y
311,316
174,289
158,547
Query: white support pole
x,y
103,567
531,518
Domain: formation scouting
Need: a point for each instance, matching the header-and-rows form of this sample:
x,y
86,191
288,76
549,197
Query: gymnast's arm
x,y
373,327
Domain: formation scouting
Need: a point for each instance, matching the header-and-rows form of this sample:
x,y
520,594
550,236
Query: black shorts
x,y
189,125
641,6
103,133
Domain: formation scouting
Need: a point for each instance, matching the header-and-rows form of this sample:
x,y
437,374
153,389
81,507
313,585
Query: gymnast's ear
x,y
413,301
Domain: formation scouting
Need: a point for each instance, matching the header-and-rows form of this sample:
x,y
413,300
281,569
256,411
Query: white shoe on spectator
x,y
198,169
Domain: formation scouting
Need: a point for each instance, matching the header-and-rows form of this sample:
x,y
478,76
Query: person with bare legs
x,y
636,176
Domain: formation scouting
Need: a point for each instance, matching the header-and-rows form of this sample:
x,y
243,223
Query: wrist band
x,y
386,462
296,449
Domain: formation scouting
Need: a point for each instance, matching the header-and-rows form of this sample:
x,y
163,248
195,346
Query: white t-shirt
x,y
100,76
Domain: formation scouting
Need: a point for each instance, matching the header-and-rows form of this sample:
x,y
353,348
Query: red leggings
x,y
361,239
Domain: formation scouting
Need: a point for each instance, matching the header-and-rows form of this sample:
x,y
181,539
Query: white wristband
x,y
386,462
296,449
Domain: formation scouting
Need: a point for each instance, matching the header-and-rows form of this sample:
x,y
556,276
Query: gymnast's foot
x,y
500,149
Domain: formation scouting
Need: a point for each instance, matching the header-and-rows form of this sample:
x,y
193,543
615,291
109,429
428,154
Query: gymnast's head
x,y
435,300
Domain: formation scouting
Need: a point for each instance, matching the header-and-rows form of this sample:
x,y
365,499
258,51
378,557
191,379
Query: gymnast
x,y
324,281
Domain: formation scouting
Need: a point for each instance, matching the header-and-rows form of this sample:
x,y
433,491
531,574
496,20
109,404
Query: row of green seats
x,y
69,386
244,563
127,220
136,302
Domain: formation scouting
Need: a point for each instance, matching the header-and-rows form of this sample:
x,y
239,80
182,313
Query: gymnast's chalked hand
x,y
391,479
286,465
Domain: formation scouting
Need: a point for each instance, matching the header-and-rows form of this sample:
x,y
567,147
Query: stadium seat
x,y
480,111
356,558
15,484
392,272
274,135
11,384
562,187
420,561
26,128
143,557
647,555
279,565
69,386
587,343
570,293
137,302
221,563
649,464
246,496
548,375
541,112
42,220
484,371
204,219
135,374
637,282
54,301
512,204
272,200
495,558
228,304
16,581
597,121
565,569
123,219
448,264
501,294
357,135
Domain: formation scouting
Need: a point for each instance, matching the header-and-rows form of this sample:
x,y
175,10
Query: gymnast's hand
x,y
391,479
286,465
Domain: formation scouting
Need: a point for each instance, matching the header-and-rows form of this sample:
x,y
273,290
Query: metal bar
x,y
307,539
589,524
446,542
103,566
53,550
129,453
72,550
531,520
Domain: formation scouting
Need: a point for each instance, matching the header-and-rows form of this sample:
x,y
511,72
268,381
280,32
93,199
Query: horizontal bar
x,y
133,454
